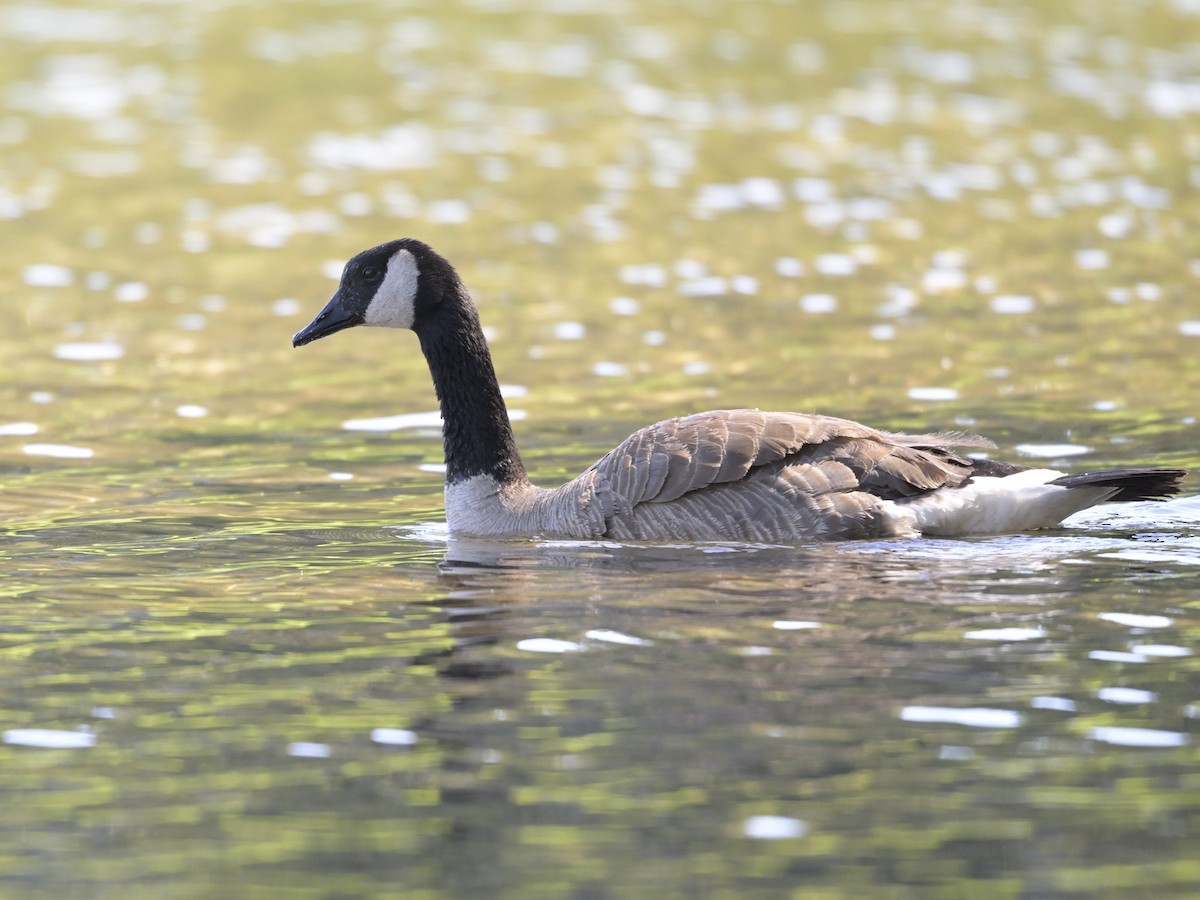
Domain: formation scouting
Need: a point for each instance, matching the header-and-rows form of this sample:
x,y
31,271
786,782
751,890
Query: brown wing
x,y
665,461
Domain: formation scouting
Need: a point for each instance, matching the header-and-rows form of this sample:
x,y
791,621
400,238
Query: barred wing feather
x,y
665,461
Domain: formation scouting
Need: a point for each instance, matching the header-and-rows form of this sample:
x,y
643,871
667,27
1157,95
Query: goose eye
x,y
370,273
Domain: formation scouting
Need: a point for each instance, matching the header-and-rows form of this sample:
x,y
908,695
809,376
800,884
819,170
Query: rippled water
x,y
239,653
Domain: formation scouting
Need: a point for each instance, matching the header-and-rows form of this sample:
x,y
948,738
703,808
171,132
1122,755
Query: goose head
x,y
394,285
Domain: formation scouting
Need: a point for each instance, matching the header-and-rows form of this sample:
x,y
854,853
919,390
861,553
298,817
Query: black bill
x,y
333,318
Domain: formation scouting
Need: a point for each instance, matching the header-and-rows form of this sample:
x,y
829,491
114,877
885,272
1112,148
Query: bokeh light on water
x,y
225,670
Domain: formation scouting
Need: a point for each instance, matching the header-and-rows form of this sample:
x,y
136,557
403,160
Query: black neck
x,y
476,432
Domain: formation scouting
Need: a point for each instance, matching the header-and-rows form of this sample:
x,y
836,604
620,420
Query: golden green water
x,y
277,676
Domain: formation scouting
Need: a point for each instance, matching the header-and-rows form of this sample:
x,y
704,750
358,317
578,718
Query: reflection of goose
x,y
740,475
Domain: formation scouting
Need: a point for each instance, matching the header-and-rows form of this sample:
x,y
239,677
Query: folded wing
x,y
671,459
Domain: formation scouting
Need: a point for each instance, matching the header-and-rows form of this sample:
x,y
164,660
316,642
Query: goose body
x,y
724,475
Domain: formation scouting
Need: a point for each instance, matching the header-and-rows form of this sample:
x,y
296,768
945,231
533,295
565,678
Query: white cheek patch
x,y
392,305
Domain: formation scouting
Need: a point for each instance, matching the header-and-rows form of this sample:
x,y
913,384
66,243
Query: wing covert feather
x,y
665,461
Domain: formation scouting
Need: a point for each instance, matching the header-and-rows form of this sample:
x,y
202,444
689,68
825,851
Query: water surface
x,y
240,653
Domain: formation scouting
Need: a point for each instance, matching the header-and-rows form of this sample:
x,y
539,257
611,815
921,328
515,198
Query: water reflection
x,y
390,686
804,706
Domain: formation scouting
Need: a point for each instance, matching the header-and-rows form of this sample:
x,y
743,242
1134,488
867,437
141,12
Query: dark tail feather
x,y
1132,484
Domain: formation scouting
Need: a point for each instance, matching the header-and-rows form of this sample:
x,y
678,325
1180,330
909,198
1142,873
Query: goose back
x,y
740,475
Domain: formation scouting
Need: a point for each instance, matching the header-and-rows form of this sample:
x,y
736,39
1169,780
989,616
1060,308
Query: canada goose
x,y
727,475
